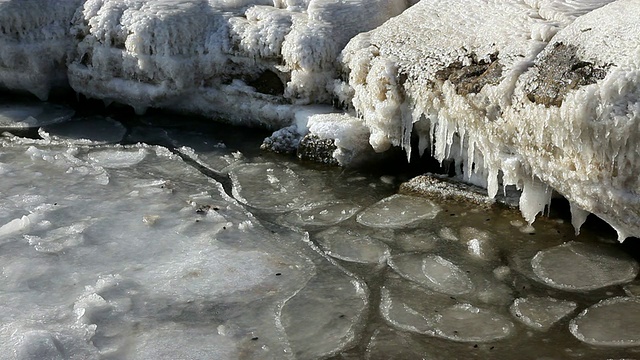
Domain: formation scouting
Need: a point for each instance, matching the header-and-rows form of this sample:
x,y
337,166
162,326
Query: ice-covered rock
x,y
412,309
493,98
611,322
36,43
576,266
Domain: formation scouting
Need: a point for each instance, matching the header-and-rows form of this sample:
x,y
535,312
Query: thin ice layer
x,y
577,267
611,322
111,250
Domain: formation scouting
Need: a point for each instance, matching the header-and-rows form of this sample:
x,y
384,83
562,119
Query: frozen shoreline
x,y
541,95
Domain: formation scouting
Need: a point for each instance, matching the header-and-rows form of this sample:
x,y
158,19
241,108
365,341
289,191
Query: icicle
x,y
535,197
578,217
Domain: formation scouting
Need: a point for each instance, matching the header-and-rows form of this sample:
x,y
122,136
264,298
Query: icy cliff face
x,y
252,61
529,99
35,43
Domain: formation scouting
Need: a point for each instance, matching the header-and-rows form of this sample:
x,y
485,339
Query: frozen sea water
x,y
158,241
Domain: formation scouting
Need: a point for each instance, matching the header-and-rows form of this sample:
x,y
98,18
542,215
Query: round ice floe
x,y
575,266
117,158
465,322
352,246
86,131
320,215
268,186
25,116
432,271
541,313
398,211
408,308
611,322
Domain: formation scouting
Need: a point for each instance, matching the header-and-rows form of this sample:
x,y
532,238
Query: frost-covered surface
x,y
36,44
482,97
536,94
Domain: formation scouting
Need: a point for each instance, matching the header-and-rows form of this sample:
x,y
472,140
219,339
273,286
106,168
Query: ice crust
x,y
401,69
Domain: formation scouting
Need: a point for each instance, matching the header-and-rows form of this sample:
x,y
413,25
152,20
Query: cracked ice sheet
x,y
106,254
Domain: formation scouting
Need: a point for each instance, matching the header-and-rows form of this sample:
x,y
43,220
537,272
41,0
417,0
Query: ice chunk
x,y
418,311
329,309
269,186
117,158
611,322
320,214
465,322
541,313
432,271
350,245
93,130
32,115
347,132
398,211
576,266
59,239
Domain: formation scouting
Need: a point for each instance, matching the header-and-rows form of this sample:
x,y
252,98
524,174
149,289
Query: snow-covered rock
x,y
522,93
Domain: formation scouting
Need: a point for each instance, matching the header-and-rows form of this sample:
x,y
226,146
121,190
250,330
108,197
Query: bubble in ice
x,y
576,266
611,322
398,211
353,246
117,158
541,313
91,130
269,186
432,271
325,214
34,115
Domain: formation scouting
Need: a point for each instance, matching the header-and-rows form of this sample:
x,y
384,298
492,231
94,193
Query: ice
x,y
85,131
434,272
541,313
34,115
329,310
316,215
398,211
36,44
353,246
611,322
391,344
115,269
412,309
270,186
576,266
116,158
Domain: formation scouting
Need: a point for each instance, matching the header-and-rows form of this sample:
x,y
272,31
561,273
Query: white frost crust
x,y
35,43
180,54
348,132
399,85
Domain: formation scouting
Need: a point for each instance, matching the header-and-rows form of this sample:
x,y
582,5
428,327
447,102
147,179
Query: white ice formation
x,y
537,94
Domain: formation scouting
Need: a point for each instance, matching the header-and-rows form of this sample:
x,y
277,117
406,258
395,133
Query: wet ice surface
x,y
113,248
